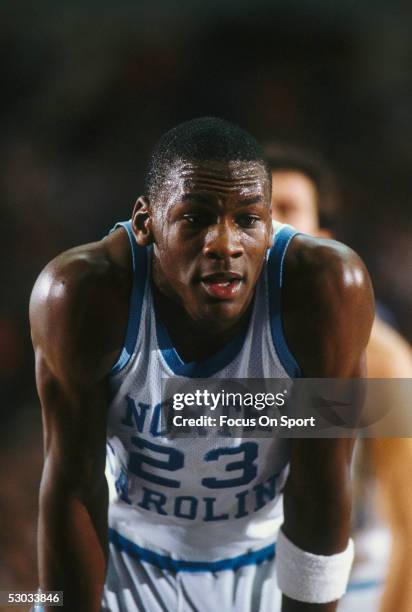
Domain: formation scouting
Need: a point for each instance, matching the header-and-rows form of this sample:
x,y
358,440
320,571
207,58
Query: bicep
x,y
68,316
74,427
328,314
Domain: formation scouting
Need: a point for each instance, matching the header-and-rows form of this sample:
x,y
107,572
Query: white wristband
x,y
311,578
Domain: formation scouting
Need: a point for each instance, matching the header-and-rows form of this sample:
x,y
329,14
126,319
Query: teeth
x,y
224,283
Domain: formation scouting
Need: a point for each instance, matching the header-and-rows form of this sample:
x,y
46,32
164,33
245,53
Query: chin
x,y
222,314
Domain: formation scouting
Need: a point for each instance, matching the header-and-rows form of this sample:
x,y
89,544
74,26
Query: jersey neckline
x,y
207,367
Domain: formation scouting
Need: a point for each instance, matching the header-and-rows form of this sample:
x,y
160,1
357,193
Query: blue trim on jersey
x,y
177,565
139,268
275,269
364,585
197,369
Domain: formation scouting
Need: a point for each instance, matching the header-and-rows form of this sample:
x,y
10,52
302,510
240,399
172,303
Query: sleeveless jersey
x,y
187,504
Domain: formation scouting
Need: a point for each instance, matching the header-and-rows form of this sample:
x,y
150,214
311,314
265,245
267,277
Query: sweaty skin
x,y
210,229
214,225
294,201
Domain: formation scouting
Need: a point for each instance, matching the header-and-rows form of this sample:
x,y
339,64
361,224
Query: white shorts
x,y
133,585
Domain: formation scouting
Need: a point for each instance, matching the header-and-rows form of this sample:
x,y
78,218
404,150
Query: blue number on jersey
x,y
250,453
175,461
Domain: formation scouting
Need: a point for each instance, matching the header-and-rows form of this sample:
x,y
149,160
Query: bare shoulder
x,y
78,309
328,303
315,261
389,354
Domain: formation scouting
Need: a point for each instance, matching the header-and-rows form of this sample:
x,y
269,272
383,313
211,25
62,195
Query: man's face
x,y
211,227
294,200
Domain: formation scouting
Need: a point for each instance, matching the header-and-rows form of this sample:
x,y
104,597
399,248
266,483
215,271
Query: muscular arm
x,y
392,458
68,311
72,528
329,306
390,356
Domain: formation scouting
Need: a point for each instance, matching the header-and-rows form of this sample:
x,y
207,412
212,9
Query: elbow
x,y
59,484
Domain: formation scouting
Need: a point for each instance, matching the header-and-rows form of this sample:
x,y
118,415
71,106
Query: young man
x,y
188,288
304,195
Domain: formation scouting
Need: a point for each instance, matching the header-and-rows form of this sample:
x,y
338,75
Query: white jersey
x,y
186,504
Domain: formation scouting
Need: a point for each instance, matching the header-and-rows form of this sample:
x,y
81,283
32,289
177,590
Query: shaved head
x,y
201,140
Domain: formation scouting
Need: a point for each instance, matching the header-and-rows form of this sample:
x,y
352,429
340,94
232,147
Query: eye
x,y
247,220
192,219
197,219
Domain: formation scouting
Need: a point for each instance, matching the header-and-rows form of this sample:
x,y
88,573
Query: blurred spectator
x,y
304,194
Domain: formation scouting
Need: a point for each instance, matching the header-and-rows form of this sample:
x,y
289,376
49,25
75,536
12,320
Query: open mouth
x,y
222,286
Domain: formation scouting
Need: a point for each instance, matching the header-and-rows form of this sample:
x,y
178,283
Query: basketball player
x,y
304,194
188,288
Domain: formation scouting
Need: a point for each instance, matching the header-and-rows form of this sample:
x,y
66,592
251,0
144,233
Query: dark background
x,y
88,87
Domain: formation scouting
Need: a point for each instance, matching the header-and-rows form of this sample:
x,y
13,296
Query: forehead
x,y
217,178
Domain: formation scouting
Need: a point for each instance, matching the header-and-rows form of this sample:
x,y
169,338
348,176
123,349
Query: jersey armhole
x,y
275,270
139,272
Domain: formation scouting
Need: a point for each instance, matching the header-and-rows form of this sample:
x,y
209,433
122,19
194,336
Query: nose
x,y
222,242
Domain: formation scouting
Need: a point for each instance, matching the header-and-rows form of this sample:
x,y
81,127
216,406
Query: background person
x,y
305,194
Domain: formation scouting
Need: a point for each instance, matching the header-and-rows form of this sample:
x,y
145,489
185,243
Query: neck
x,y
194,340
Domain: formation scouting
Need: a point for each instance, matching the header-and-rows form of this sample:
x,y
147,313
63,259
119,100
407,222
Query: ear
x,y
142,222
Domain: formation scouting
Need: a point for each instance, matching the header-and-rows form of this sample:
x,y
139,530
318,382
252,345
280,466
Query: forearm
x,y
72,545
317,523
319,527
298,578
392,459
317,535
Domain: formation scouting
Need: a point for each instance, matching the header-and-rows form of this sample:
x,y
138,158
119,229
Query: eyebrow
x,y
252,200
197,198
